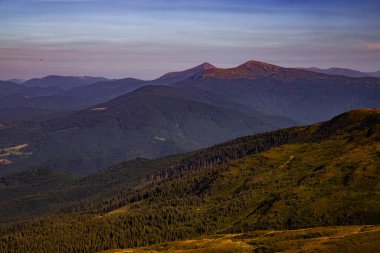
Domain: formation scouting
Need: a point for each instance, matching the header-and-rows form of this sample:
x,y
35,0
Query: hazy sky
x,y
147,38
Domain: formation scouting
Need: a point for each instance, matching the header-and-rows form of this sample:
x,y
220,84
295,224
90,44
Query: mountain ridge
x,y
63,82
344,72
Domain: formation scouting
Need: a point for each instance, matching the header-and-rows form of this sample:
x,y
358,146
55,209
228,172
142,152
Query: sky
x,y
147,38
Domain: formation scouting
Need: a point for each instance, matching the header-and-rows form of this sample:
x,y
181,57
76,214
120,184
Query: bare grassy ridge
x,y
350,239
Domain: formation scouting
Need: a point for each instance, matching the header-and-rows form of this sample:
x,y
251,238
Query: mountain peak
x,y
206,66
258,68
173,77
252,65
250,70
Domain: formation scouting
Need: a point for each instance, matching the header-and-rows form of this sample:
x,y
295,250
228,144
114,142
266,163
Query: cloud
x,y
373,46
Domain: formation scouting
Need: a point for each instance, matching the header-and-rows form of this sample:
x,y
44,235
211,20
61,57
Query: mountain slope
x,y
105,90
54,102
150,122
23,113
325,174
18,102
174,77
302,95
7,88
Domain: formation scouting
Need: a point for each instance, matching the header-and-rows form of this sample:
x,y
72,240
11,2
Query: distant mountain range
x,y
41,96
18,81
344,72
50,94
98,124
70,93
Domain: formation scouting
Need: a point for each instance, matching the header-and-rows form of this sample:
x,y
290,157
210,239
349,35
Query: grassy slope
x,y
323,239
328,182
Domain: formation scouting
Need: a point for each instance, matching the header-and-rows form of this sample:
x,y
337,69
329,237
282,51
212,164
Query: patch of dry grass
x,y
345,239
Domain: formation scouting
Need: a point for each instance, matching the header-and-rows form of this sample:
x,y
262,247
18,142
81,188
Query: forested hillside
x,y
321,175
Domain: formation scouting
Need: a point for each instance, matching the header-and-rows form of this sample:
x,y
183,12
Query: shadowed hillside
x,y
152,121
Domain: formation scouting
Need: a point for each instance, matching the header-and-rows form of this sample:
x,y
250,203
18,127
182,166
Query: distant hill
x,y
18,102
63,82
51,94
319,176
18,81
344,72
105,90
57,93
8,88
